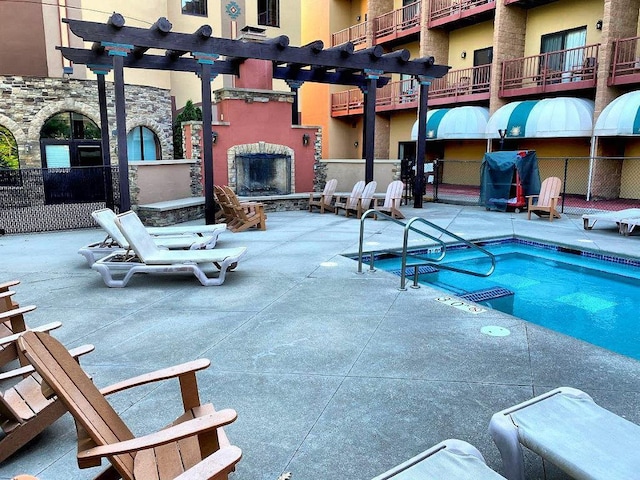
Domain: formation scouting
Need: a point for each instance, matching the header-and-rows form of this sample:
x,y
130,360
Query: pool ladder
x,y
442,246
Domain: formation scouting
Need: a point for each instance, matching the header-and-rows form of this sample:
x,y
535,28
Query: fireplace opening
x,y
263,174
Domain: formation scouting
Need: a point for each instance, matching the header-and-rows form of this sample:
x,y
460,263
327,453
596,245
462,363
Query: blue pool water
x,y
590,297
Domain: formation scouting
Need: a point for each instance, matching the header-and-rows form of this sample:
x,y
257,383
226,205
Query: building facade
x,y
545,75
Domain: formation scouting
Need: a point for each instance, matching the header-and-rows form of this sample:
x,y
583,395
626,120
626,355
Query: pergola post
x,y
370,121
421,144
295,86
101,71
118,51
206,60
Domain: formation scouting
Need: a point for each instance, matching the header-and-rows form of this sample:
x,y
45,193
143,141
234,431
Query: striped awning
x,y
620,118
459,123
546,118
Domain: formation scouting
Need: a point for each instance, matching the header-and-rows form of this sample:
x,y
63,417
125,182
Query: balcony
x,y
357,34
461,86
528,3
563,70
458,86
399,25
458,13
625,66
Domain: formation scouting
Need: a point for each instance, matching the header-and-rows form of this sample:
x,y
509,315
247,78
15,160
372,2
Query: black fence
x,y
38,200
588,184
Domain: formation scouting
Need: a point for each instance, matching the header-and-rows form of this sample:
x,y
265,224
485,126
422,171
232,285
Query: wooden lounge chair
x,y
173,238
12,323
226,208
349,203
148,258
547,200
247,214
452,459
325,202
392,200
193,447
366,198
24,411
566,427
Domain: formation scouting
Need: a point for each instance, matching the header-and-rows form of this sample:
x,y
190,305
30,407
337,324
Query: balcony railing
x,y
443,11
625,66
570,69
467,84
355,33
398,23
347,102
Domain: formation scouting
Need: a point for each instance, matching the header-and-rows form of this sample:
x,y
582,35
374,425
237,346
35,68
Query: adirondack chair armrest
x,y
42,328
174,433
15,312
28,369
6,293
164,374
6,285
214,465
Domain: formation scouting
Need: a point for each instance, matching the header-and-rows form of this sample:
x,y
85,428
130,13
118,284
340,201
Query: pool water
x,y
587,297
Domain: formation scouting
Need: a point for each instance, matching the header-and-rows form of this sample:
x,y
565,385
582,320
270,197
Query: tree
x,y
189,113
8,150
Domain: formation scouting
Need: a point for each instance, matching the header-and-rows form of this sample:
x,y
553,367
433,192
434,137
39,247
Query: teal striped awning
x,y
620,118
468,122
546,118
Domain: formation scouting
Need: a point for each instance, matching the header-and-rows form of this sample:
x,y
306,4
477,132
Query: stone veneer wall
x,y
26,103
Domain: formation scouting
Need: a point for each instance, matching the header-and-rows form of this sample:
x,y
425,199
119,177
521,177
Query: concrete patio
x,y
333,374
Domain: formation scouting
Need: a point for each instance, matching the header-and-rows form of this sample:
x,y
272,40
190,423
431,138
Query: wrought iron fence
x,y
37,199
588,184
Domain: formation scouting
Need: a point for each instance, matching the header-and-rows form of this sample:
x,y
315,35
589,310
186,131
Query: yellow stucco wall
x,y
468,39
559,16
462,161
630,181
400,130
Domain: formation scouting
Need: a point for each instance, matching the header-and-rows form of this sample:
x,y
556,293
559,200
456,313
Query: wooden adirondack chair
x,y
6,302
11,323
325,202
392,199
247,214
366,198
350,202
193,447
226,208
547,200
24,411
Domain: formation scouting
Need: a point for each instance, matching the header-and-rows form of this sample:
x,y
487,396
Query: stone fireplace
x,y
258,169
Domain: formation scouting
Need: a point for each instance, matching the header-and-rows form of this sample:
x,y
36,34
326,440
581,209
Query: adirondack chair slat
x,y
326,199
392,199
19,405
30,391
146,465
547,200
169,461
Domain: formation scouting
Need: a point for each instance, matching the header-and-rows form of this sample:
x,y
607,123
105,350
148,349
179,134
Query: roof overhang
x,y
620,118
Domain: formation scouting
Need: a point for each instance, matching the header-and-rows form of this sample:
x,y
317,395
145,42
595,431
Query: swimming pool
x,y
589,296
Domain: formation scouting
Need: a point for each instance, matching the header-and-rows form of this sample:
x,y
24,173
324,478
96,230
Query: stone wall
x,y
26,103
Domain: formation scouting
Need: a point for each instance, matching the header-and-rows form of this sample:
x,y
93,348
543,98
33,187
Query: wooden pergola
x,y
116,46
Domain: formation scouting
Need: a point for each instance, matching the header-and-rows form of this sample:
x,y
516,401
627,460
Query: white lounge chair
x,y
617,217
628,225
451,459
566,427
149,258
174,237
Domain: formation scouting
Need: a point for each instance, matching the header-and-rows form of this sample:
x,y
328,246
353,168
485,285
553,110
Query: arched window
x,y
69,139
143,144
9,163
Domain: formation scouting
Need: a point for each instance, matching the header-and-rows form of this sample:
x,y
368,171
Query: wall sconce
x,y
358,18
502,133
463,54
355,144
27,148
305,139
599,25
214,137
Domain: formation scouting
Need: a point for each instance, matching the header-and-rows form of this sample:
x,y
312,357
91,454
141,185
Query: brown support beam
x,y
370,122
421,142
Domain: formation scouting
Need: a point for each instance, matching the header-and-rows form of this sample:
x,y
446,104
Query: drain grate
x,y
410,270
487,294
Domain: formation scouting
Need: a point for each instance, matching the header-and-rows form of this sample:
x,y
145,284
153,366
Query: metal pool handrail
x,y
435,261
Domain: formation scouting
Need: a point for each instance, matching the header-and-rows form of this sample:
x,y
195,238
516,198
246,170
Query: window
x,y
269,13
143,144
66,138
194,7
559,42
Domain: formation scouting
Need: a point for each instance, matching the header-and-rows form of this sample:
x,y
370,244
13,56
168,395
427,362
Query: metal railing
x,y
626,60
422,261
551,71
465,81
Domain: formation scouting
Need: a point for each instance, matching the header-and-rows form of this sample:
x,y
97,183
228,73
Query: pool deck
x,y
333,374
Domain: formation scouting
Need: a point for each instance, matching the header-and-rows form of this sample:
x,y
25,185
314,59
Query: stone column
x,y
508,42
